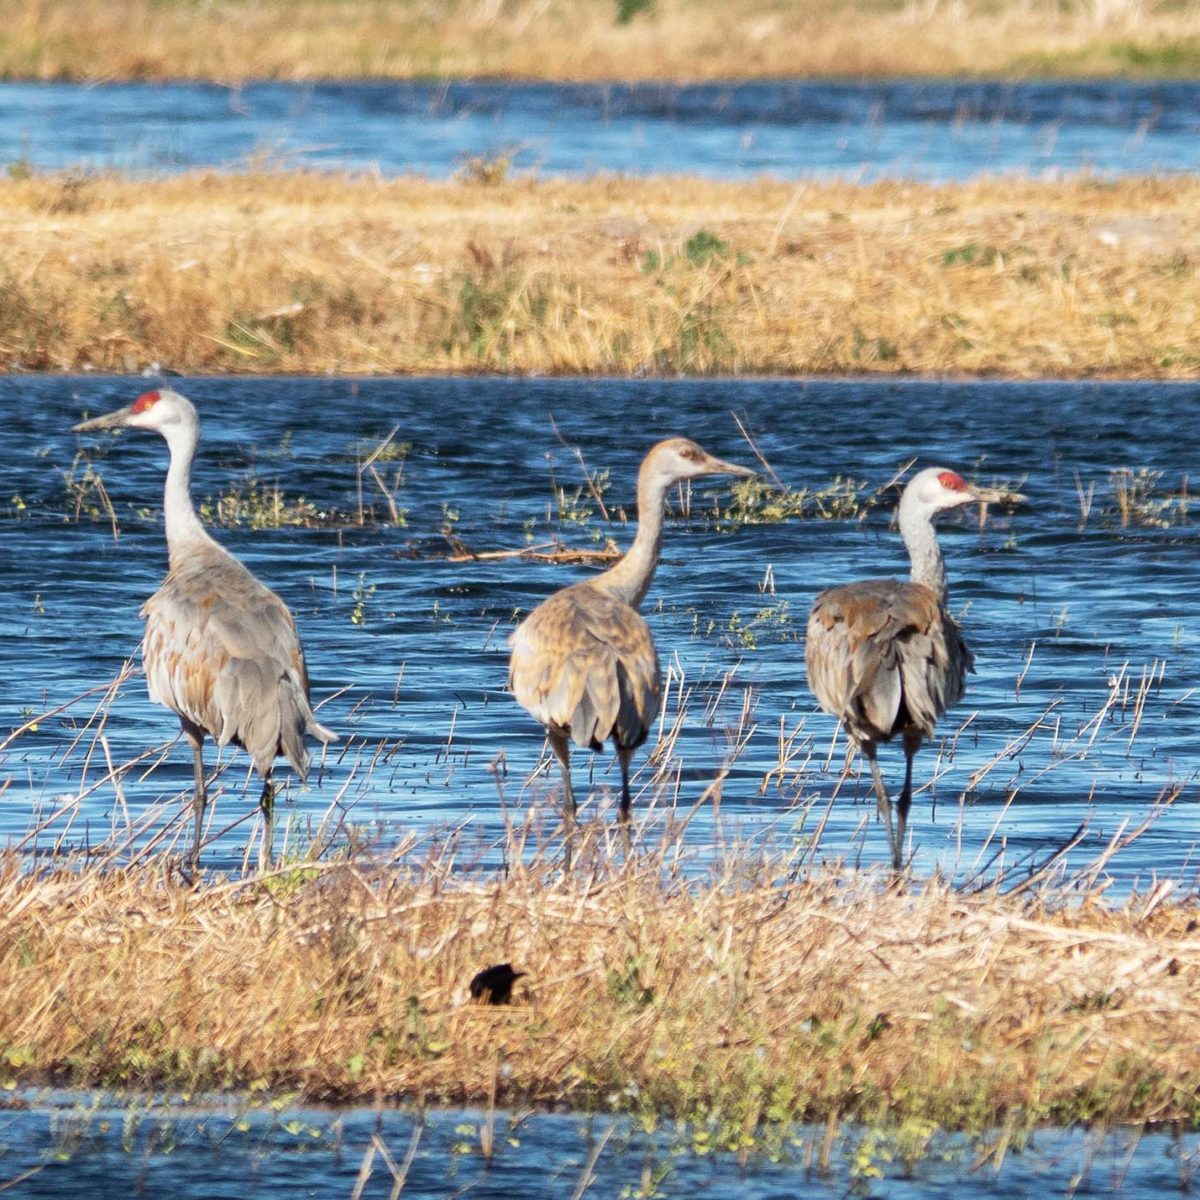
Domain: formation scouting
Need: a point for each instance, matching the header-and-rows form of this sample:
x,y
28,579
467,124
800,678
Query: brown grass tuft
x,y
311,273
751,993
593,39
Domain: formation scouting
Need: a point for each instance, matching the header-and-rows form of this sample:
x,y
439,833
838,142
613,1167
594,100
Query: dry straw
x,y
305,273
593,39
735,984
738,989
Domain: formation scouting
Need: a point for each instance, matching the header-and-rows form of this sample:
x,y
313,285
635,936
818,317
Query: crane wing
x,y
934,662
585,662
221,650
883,655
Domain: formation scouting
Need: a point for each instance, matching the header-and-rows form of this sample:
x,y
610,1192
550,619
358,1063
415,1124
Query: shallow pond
x,y
103,1148
1080,608
929,130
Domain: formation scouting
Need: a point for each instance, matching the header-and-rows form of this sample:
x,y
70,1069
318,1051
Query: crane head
x,y
680,458
938,488
158,410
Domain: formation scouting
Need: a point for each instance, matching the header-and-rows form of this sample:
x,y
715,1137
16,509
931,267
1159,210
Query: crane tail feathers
x,y
590,712
880,699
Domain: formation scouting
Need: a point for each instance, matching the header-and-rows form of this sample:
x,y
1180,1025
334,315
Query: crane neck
x,y
921,542
629,579
183,525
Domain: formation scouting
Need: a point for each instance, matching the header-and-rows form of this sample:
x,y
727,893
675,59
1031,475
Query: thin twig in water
x,y
585,1180
770,470
368,464
588,477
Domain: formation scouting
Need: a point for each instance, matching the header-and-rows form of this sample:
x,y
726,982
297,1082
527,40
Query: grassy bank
x,y
310,273
759,994
594,39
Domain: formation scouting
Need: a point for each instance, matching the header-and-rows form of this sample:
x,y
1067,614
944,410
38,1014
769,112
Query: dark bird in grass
x,y
493,985
221,649
884,656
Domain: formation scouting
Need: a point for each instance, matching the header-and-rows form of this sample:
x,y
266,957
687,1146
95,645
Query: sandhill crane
x,y
220,649
884,655
583,662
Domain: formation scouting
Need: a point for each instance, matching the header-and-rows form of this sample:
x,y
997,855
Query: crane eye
x,y
687,452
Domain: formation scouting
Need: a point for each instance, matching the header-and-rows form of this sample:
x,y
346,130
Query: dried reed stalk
x,y
311,273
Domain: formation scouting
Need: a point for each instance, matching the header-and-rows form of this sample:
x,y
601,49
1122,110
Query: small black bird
x,y
493,985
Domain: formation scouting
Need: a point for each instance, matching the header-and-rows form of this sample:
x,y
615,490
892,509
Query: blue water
x,y
78,1145
1070,620
1068,614
928,130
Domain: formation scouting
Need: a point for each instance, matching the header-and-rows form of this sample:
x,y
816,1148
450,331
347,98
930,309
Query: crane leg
x,y
266,803
885,807
561,747
195,737
623,756
912,743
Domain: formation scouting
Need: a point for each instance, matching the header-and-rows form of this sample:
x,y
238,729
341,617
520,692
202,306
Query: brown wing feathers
x,y
883,655
221,650
585,662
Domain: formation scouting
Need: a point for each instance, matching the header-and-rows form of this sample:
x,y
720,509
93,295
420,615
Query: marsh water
x,y
1079,727
1082,716
72,1145
928,130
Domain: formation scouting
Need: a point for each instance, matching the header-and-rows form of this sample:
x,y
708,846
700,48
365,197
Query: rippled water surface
x,y
1083,710
933,130
83,1145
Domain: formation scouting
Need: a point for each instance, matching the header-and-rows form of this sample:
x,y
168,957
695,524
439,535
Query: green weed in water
x,y
86,492
772,623
758,502
577,506
1139,500
254,503
362,594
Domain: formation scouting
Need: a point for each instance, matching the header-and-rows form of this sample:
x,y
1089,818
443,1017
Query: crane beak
x,y
112,420
718,466
985,495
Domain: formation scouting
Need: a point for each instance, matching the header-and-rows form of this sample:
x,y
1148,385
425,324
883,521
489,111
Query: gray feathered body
x,y
583,663
221,651
885,657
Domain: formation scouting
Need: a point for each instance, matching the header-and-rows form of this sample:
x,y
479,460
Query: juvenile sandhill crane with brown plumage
x,y
583,662
220,649
884,655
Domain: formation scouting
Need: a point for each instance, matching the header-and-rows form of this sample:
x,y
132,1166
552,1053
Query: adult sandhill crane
x,y
583,662
220,649
884,655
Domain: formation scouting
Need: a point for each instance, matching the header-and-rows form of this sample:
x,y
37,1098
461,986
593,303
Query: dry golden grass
x,y
754,994
587,39
310,273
